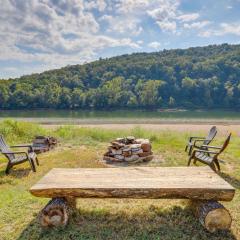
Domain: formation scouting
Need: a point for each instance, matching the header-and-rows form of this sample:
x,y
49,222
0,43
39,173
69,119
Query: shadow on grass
x,y
152,223
14,173
230,179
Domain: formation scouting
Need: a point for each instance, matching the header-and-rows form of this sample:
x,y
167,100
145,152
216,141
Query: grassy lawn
x,y
106,218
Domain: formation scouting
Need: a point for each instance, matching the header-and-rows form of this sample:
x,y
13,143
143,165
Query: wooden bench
x,y
199,184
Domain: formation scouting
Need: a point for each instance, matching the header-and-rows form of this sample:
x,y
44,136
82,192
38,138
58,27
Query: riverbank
x,y
223,129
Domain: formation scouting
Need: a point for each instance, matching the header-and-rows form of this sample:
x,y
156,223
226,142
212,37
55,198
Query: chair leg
x,y
9,166
190,150
31,162
217,164
212,166
189,161
37,162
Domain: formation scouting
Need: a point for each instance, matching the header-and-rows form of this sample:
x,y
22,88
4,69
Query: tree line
x,y
200,77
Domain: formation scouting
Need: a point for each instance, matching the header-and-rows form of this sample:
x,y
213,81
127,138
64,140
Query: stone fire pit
x,y
129,150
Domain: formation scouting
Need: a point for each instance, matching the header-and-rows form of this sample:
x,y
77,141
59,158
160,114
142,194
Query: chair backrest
x,y
5,148
212,133
225,144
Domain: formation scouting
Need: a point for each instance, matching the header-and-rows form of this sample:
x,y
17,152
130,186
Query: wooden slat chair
x,y
209,157
192,142
18,157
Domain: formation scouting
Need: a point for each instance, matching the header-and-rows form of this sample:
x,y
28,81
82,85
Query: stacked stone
x,y
129,150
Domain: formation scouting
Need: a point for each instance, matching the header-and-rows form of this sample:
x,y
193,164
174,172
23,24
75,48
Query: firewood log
x,y
212,215
111,159
117,145
146,146
147,158
120,140
119,157
144,154
117,152
132,158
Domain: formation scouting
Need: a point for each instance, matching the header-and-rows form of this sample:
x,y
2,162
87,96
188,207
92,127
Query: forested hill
x,y
201,77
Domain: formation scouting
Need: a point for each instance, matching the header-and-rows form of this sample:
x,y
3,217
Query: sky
x,y
38,35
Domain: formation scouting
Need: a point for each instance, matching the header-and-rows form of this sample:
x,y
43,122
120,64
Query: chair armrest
x,y
30,146
206,151
15,152
209,146
198,140
190,139
21,145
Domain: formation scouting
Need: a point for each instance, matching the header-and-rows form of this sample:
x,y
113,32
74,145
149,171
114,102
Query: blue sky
x,y
37,35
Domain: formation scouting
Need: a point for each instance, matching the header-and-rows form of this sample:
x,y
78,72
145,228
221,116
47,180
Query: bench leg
x,y
212,215
57,212
72,203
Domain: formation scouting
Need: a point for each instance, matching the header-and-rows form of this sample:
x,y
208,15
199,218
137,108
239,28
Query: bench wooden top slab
x,y
135,182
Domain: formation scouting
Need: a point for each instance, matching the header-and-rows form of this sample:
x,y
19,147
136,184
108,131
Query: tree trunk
x,y
212,215
56,213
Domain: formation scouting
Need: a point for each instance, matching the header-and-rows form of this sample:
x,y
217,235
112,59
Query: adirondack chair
x,y
17,157
194,141
209,157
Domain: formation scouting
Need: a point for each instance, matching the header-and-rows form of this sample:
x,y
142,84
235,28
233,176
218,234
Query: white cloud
x,y
131,6
165,17
188,17
121,25
224,28
230,28
60,32
106,17
55,33
167,26
96,4
196,25
155,45
168,17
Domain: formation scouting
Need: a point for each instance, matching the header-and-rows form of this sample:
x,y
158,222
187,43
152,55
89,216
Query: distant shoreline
x,y
125,121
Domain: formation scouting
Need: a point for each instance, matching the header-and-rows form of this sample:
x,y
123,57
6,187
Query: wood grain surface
x,y
135,182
